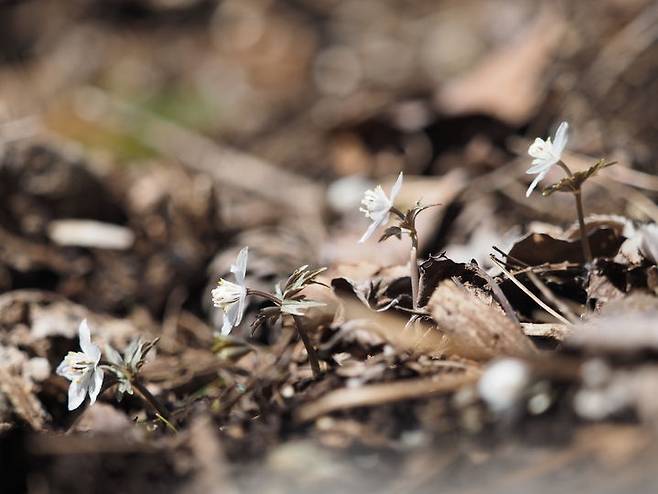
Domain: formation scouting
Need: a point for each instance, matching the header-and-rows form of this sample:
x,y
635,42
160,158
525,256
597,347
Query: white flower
x,y
649,241
81,368
231,297
546,154
377,206
502,384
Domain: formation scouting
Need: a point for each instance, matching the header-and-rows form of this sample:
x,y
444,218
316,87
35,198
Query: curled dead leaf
x,y
476,329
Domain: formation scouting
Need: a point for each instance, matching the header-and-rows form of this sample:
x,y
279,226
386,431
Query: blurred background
x,y
277,101
184,129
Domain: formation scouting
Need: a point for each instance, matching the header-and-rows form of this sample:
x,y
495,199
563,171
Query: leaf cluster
x,y
407,222
575,181
127,368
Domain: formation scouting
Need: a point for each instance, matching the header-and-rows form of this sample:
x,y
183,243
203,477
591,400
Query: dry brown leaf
x,y
475,329
21,396
417,339
539,248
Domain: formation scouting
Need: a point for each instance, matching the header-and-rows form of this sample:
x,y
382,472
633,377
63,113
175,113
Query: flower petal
x,y
77,392
95,385
539,165
64,369
242,301
396,188
230,317
113,356
560,141
538,148
89,349
239,269
371,229
535,182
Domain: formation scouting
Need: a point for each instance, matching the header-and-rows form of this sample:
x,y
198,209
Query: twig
x,y
537,300
387,392
507,256
547,293
498,293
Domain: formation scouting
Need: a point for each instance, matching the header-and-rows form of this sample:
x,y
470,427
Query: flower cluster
x,y
231,297
287,299
85,369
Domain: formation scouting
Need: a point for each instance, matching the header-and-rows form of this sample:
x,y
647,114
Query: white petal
x,y
77,392
95,385
230,318
560,141
539,165
239,269
538,148
63,369
113,356
72,358
534,183
240,311
84,335
227,327
396,188
91,350
371,229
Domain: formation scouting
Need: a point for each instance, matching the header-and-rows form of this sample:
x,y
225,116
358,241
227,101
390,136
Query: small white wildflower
x,y
231,297
546,154
503,383
81,368
377,206
649,242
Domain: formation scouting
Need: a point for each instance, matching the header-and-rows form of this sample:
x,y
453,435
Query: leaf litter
x,y
517,350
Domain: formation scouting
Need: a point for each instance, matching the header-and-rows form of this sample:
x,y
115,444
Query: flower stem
x,y
584,239
267,296
413,266
152,400
312,354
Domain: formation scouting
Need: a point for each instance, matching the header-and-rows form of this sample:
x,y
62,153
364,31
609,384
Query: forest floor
x,y
144,143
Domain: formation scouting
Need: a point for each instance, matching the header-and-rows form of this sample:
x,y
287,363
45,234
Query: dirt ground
x,y
144,143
